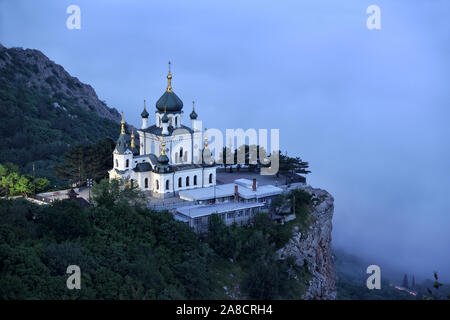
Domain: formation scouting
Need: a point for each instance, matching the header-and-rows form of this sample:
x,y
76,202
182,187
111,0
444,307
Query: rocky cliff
x,y
36,71
312,248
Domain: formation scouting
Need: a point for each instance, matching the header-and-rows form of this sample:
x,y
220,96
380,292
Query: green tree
x,y
23,185
291,165
262,282
109,193
74,167
13,183
41,184
87,161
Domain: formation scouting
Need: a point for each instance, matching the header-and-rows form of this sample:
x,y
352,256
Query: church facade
x,y
171,157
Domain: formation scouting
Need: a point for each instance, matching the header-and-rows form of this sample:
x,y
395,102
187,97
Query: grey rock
x,y
314,248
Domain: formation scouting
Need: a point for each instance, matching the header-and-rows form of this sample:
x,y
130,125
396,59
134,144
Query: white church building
x,y
171,156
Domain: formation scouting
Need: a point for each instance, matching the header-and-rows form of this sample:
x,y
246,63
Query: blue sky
x,y
368,109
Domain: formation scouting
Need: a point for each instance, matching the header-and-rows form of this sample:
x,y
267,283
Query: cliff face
x,y
42,75
313,248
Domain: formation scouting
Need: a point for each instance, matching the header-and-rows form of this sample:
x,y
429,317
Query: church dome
x,y
171,101
165,118
193,115
122,144
144,113
163,159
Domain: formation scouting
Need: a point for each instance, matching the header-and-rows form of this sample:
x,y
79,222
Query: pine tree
x,y
89,161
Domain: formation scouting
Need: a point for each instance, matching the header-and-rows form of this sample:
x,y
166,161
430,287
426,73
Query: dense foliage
x,y
87,161
254,157
39,127
126,251
13,183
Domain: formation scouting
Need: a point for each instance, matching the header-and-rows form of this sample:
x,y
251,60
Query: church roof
x,y
157,131
144,113
193,115
143,167
163,159
122,144
169,101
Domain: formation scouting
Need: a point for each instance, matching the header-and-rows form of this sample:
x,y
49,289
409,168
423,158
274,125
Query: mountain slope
x,y
44,111
32,69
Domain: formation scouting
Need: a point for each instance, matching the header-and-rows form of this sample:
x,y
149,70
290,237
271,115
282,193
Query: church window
x,y
180,182
181,153
187,181
210,178
195,180
146,183
167,185
157,184
127,163
117,163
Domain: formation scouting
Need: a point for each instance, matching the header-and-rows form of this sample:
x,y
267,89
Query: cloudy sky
x,y
369,109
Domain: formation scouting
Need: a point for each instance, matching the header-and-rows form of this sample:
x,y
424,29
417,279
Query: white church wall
x,y
191,174
120,161
160,183
206,173
178,142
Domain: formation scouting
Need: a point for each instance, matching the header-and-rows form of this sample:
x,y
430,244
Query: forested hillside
x,y
126,251
44,111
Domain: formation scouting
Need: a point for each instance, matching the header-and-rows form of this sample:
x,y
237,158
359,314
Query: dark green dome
x,y
163,159
144,113
193,115
170,101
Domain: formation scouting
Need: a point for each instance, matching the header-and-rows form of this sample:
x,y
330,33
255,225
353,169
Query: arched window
x,y
167,185
181,154
180,182
127,163
117,163
187,181
176,121
146,183
210,178
157,184
195,180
